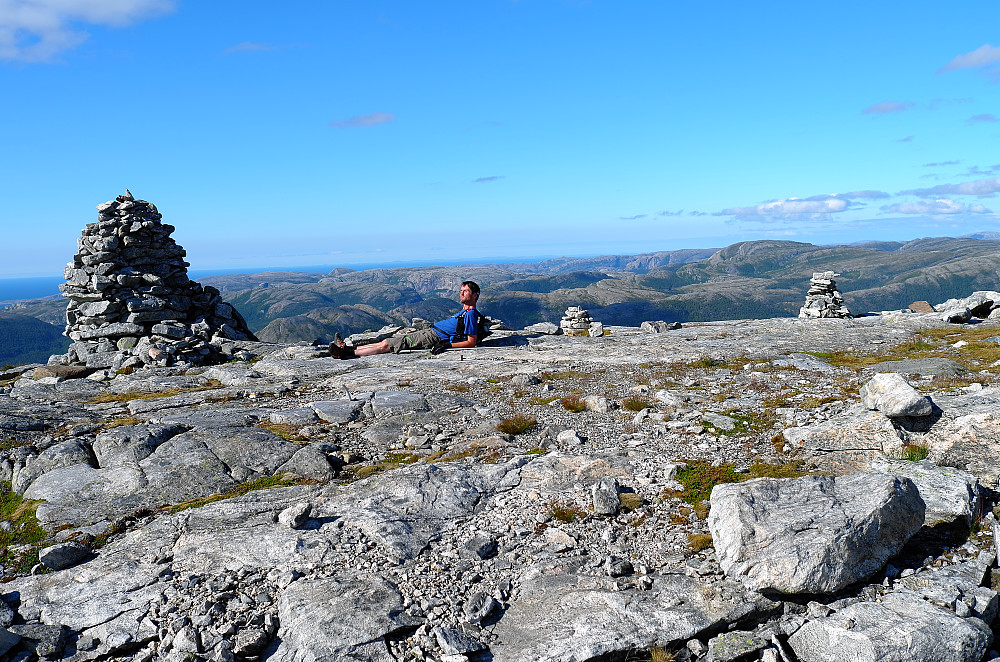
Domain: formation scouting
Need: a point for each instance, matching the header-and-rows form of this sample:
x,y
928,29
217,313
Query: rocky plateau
x,y
542,497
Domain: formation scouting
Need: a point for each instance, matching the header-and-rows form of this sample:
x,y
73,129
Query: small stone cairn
x,y
130,301
823,299
578,322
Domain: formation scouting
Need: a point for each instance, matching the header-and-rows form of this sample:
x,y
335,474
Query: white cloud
x,y
981,57
939,206
789,208
357,121
986,188
37,30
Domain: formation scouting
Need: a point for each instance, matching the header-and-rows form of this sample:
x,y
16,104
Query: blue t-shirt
x,y
447,328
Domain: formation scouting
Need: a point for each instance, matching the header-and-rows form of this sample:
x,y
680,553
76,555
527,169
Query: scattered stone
x,y
604,495
921,307
64,555
295,516
659,326
892,395
546,328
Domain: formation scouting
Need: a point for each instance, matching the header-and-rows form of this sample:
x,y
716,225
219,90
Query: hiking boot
x,y
335,350
337,340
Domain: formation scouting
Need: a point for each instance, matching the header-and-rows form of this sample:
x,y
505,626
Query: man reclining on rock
x,y
453,332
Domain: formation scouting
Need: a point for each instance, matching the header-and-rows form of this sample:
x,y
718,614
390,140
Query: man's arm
x,y
470,341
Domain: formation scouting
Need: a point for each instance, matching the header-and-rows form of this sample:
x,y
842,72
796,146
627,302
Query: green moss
x,y
265,483
912,452
24,530
636,403
564,511
699,477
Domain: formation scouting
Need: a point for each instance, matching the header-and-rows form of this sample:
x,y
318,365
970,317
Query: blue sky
x,y
319,132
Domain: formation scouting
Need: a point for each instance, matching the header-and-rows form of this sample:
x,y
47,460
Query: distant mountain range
x,y
753,279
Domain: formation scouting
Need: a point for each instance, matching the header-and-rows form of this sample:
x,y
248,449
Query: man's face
x,y
466,297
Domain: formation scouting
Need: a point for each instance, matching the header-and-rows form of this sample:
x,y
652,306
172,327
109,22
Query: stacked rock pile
x,y
823,299
131,302
578,322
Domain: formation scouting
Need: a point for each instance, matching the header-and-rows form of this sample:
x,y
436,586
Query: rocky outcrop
x,y
815,534
131,302
823,299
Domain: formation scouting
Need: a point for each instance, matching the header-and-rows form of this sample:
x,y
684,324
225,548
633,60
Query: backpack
x,y
482,326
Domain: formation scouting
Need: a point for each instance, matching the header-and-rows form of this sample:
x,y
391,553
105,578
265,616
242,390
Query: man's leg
x,y
373,348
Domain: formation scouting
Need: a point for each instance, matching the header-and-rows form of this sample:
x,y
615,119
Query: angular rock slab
x,y
561,616
892,395
949,494
338,411
815,534
334,619
898,629
936,367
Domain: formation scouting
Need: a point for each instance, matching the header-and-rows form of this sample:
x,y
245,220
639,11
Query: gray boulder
x,y
898,629
815,534
326,620
63,454
949,494
562,616
63,555
547,328
892,395
604,495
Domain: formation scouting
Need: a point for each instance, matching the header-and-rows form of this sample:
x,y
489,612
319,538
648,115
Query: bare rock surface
x,y
292,506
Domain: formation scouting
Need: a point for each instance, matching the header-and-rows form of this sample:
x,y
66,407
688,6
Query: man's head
x,y
469,293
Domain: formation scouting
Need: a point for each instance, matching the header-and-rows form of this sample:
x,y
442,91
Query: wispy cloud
x,y
984,188
670,213
698,213
486,180
360,121
907,139
937,103
788,208
983,56
888,107
853,195
940,164
632,218
984,117
251,47
37,30
939,206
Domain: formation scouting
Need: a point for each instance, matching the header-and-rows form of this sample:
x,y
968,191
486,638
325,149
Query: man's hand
x,y
440,346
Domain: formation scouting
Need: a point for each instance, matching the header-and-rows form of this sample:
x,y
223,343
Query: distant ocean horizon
x,y
19,289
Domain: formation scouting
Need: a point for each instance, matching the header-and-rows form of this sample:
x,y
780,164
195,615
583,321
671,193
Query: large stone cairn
x,y
578,322
823,299
130,300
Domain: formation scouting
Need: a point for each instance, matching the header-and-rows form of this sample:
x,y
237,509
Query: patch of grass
x,y
912,452
441,456
699,477
564,374
660,655
812,402
404,383
573,403
699,541
635,403
543,401
8,444
705,362
516,424
630,501
124,420
536,451
286,431
785,470
564,511
265,483
212,384
458,388
24,530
